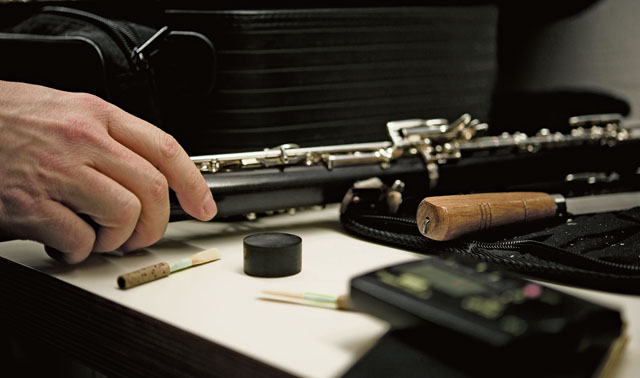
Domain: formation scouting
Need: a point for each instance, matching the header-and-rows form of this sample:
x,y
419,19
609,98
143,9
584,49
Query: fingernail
x,y
210,208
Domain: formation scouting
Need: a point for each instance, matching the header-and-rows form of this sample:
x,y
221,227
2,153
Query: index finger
x,y
166,154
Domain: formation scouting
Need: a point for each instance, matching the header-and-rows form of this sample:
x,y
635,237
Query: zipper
x,y
540,249
126,40
570,260
123,37
133,49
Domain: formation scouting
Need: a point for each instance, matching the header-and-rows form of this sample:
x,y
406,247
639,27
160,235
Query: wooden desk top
x,y
208,320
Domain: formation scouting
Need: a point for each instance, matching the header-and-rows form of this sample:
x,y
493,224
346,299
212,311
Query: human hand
x,y
67,156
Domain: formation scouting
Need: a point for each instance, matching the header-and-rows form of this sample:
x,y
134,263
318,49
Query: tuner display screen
x,y
448,282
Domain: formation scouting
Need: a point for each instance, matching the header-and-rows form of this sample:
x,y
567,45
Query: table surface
x,y
218,303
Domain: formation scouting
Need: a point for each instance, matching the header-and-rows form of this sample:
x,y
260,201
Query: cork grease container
x,y
272,254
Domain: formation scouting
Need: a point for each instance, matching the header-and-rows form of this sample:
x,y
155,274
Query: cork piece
x,y
143,275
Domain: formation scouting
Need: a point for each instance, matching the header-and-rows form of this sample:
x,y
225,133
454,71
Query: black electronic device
x,y
468,315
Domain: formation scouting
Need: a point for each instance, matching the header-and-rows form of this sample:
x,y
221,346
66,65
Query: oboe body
x,y
431,156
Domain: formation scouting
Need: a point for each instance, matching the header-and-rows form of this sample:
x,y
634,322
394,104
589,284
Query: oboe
x,y
432,156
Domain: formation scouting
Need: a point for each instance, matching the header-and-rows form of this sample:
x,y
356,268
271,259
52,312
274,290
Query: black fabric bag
x,y
136,67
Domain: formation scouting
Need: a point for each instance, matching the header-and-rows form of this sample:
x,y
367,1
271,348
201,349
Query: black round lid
x,y
272,254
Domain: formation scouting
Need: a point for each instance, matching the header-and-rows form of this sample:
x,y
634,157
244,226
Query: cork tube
x,y
143,275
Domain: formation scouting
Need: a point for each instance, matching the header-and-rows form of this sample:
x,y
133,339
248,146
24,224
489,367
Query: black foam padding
x,y
272,254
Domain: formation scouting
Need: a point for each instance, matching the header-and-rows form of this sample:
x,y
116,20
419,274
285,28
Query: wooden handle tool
x,y
450,217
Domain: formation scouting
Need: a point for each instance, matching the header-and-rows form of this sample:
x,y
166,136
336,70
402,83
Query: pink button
x,y
532,291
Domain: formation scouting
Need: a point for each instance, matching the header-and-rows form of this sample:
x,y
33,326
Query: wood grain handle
x,y
450,217
143,275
